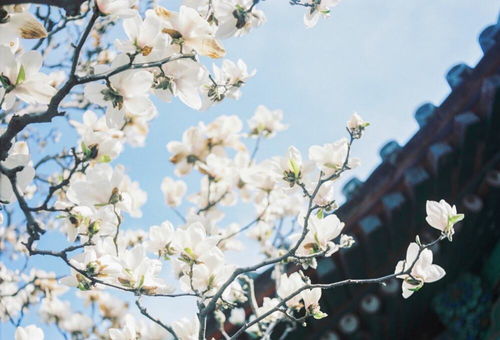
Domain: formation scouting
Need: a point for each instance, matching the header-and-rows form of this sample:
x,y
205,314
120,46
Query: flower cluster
x,y
107,89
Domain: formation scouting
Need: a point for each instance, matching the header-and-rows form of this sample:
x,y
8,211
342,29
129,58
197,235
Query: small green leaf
x,y
294,167
21,76
105,159
320,214
141,282
456,218
85,149
319,315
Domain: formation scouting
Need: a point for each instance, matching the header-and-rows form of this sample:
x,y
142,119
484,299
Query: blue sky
x,y
380,58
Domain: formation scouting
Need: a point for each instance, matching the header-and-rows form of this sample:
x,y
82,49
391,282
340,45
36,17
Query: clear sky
x,y
380,58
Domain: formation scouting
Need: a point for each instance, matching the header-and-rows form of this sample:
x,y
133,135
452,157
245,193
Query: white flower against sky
x,y
266,122
173,191
316,10
30,332
18,156
190,31
18,22
119,8
20,77
128,91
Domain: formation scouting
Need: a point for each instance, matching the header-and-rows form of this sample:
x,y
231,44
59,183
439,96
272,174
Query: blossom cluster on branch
x,y
104,87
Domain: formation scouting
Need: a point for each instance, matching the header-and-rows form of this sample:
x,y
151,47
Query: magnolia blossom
x,y
187,329
290,166
103,185
140,272
442,216
186,153
316,10
18,156
30,332
288,285
422,269
162,240
266,122
173,191
18,22
52,309
20,77
228,80
268,304
119,8
99,142
194,242
181,78
144,36
237,316
232,17
356,125
77,323
94,265
127,332
190,31
320,235
330,158
128,91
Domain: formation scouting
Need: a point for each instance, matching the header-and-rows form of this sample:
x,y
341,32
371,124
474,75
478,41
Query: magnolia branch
x,y
323,286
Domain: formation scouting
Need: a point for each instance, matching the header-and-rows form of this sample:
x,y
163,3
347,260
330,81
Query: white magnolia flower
x,y
229,78
330,158
190,31
99,142
128,331
232,17
316,10
162,240
187,329
207,274
128,91
423,271
140,272
53,309
20,77
173,191
194,242
320,235
266,122
17,22
224,131
119,8
77,323
311,299
144,36
181,78
30,332
442,216
356,125
288,285
18,155
94,265
185,154
289,168
267,305
237,316
103,185
235,19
